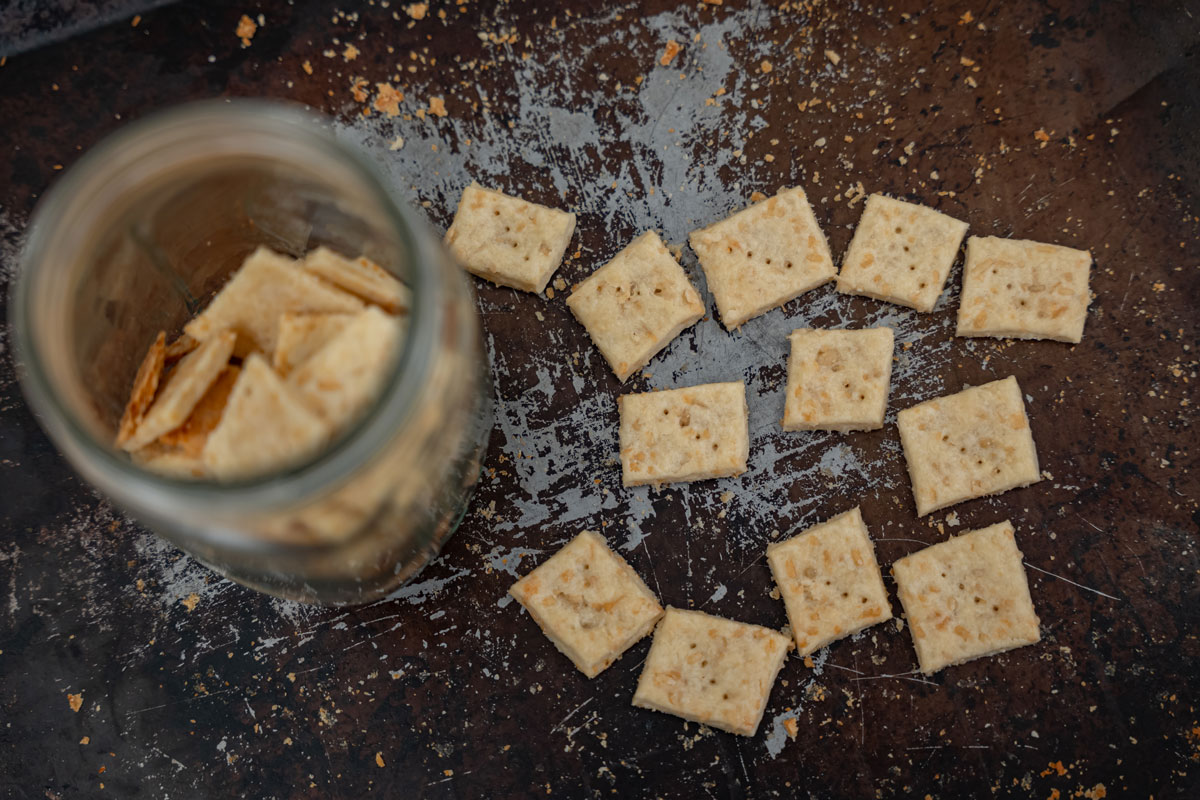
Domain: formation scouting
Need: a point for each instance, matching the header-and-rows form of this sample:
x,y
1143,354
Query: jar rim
x,y
145,148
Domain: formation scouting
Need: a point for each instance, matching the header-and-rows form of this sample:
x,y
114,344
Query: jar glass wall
x,y
141,233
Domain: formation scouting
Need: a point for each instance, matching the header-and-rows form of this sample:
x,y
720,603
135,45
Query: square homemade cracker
x,y
265,286
301,335
361,277
968,445
763,256
829,581
966,598
589,602
145,386
711,670
1023,290
343,377
265,427
183,388
191,436
507,240
686,434
634,305
838,380
901,253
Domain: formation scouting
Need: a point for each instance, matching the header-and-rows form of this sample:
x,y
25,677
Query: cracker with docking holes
x,y
589,602
265,427
967,598
265,286
507,240
967,445
763,256
183,388
711,670
901,253
688,434
634,305
1023,290
830,581
360,277
838,380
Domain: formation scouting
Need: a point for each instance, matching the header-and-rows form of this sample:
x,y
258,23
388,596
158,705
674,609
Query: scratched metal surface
x,y
127,669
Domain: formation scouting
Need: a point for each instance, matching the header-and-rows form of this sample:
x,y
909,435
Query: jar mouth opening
x,y
148,148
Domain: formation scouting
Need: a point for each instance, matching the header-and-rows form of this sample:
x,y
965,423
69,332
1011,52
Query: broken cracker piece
x,y
966,445
763,256
830,581
507,240
360,277
967,598
634,305
589,602
689,434
145,385
302,334
711,670
265,427
339,380
179,348
838,380
266,285
901,253
1023,290
193,433
185,384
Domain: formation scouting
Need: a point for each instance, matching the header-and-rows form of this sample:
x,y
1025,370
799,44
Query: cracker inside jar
x,y
285,358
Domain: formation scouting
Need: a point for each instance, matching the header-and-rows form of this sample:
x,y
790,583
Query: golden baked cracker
x,y
265,427
634,305
688,434
361,277
966,598
901,252
589,602
829,581
193,433
763,256
145,385
966,445
838,380
187,382
1023,290
343,377
710,670
507,240
266,286
302,334
179,348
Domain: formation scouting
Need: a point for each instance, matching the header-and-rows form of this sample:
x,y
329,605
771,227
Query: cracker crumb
x,y
792,727
388,100
190,602
358,89
85,740
669,52
75,701
350,53
246,28
307,67
966,62
757,197
379,760
137,18
765,67
417,10
437,106
966,19
833,57
397,143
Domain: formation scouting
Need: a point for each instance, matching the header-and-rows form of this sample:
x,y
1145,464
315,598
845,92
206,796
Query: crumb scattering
x,y
246,28
669,52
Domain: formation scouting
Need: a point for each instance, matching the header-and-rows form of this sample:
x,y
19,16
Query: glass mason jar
x,y
141,233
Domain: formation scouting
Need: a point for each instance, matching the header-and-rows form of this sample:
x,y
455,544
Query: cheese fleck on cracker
x,y
966,598
710,670
1023,290
634,305
763,256
688,434
507,240
901,252
830,581
838,380
966,445
589,602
